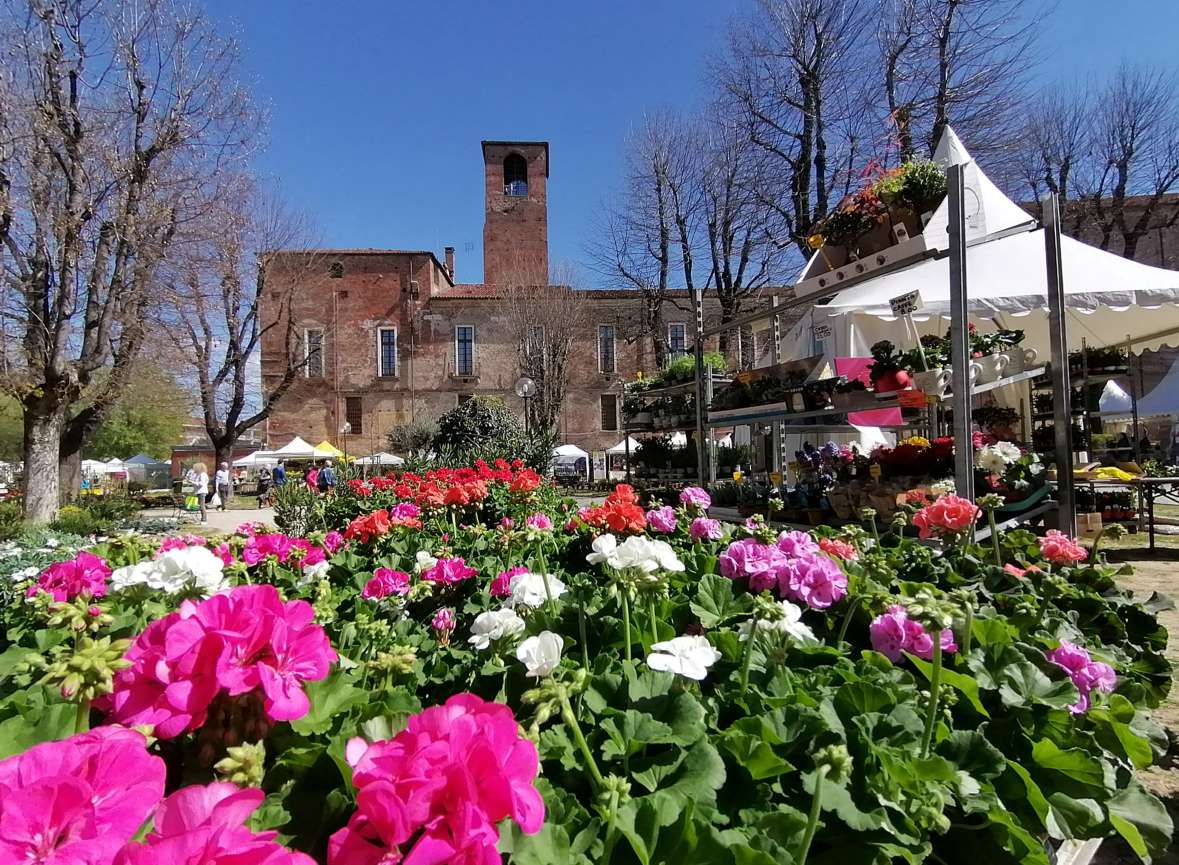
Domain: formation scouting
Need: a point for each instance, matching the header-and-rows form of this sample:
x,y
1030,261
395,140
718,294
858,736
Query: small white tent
x,y
256,460
297,449
569,451
1160,402
621,447
381,458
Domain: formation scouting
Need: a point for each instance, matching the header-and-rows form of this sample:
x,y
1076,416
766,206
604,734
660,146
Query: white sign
x,y
906,304
821,331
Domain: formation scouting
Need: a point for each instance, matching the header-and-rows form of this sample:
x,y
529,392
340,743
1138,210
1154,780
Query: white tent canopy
x,y
569,451
1108,298
621,447
297,449
256,460
1114,398
95,467
380,458
1162,401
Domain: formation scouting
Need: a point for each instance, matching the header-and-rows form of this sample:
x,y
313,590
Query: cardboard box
x,y
1088,526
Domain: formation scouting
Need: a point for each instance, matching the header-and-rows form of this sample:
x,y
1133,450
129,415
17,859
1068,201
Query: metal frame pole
x,y
779,459
703,392
960,337
1061,386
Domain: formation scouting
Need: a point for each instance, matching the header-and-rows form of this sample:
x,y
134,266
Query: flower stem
x,y
748,659
1096,544
611,834
851,611
968,631
812,822
626,622
995,537
585,659
570,720
654,620
82,719
935,677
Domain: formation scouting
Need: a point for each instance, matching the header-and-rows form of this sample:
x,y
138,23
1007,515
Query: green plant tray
x,y
1023,504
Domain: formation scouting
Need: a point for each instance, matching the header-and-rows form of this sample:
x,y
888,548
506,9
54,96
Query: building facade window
x,y
336,271
607,363
387,352
354,414
609,412
464,349
313,352
515,175
677,339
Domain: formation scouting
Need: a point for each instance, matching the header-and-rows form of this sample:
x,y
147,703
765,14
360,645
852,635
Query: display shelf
x,y
1048,415
649,430
682,387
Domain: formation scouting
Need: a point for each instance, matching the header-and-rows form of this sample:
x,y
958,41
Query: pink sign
x,y
857,368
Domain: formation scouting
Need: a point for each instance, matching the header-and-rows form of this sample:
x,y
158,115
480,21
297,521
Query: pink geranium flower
x,y
449,571
205,825
813,579
662,519
78,800
1060,549
950,514
750,559
333,541
839,549
1087,675
893,633
695,497
705,529
437,791
385,582
796,544
539,522
85,574
1017,571
501,586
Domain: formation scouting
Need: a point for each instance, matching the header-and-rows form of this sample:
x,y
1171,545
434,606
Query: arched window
x,y
515,175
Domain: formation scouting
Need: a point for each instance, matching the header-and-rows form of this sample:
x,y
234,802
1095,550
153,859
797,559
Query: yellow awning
x,y
329,448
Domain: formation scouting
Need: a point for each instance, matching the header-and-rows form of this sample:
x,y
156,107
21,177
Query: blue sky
x,y
377,107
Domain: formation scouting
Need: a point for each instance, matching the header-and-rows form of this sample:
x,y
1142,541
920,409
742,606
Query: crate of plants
x,y
781,388
1116,506
1098,361
1008,470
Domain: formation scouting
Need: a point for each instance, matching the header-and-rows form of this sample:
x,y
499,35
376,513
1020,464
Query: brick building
x,y
391,336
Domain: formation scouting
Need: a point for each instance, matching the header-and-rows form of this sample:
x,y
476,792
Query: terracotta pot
x,y
841,503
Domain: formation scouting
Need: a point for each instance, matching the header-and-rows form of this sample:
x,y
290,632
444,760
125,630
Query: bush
x,y
484,428
11,519
96,514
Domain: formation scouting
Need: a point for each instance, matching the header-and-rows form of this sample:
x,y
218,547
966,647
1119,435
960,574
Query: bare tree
x,y
115,116
219,317
546,320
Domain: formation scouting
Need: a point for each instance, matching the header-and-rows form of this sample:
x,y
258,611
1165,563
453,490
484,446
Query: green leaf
x,y
549,846
754,754
715,601
630,731
1073,818
971,752
1022,682
1141,819
962,683
53,722
1074,763
13,657
991,632
861,698
329,697
699,777
1116,735
835,797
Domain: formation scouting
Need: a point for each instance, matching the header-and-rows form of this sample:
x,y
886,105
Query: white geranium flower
x,y
139,574
314,573
527,590
689,657
52,543
991,461
1008,451
790,624
604,547
26,573
494,625
541,654
423,562
635,553
193,567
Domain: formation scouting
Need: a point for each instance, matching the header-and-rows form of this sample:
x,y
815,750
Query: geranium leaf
x,y
754,755
549,846
329,697
53,722
962,683
1073,818
1074,763
970,751
1141,819
630,731
716,602
1023,682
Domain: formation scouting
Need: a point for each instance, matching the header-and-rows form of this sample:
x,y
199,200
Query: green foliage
x,y
11,519
412,441
484,428
148,418
94,514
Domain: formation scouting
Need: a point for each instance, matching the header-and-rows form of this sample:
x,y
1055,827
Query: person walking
x,y
264,498
280,474
222,480
197,477
311,478
326,480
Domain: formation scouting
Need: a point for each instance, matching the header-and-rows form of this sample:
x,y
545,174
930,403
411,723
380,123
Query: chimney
x,y
449,252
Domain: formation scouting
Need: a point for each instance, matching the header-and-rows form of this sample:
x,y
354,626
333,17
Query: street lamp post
x,y
526,389
344,430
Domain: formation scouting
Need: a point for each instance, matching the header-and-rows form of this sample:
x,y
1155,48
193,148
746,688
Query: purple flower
x,y
813,579
1087,675
751,559
694,497
662,519
540,522
705,529
443,620
405,511
795,544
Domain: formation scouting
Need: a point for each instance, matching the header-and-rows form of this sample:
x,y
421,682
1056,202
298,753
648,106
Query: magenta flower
x,y
750,559
83,575
813,579
443,784
662,519
540,522
78,800
705,529
206,826
501,586
448,571
443,625
795,544
172,543
694,497
893,633
259,547
223,552
245,640
333,541
385,582
1087,675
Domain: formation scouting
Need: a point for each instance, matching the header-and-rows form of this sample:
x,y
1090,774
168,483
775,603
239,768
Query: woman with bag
x,y
198,478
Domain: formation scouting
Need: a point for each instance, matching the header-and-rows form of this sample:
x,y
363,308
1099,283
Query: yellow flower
x,y
815,241
916,441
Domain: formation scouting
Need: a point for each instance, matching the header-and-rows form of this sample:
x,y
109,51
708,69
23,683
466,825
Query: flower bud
x,y
837,761
243,765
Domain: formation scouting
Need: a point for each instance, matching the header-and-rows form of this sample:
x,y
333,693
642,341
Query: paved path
x,y
219,521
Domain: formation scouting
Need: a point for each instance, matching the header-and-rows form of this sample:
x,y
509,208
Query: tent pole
x,y
1061,387
703,394
960,337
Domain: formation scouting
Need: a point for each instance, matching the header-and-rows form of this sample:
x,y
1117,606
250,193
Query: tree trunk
x,y
69,476
44,422
223,453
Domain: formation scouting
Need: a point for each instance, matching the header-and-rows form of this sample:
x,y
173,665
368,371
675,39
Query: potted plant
x,y
887,372
850,393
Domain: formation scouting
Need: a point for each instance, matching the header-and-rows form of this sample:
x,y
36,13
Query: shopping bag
x,y
215,502
191,504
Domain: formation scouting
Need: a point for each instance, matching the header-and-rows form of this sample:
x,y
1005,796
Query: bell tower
x,y
516,220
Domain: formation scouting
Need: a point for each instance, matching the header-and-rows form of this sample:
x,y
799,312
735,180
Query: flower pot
x,y
833,256
991,367
932,382
875,239
1020,359
908,218
841,503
